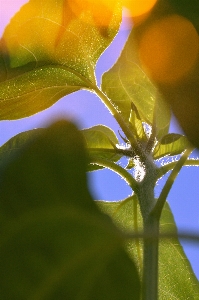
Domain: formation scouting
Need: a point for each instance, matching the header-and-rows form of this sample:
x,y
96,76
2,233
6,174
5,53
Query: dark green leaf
x,y
55,243
49,50
170,138
176,278
126,82
14,146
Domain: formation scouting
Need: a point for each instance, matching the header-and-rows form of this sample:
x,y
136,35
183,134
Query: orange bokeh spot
x,y
139,7
102,11
169,49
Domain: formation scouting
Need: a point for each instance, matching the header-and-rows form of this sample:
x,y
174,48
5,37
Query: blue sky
x,y
87,110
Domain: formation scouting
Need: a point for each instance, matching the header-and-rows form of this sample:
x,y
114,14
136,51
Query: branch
x,y
170,166
117,169
168,185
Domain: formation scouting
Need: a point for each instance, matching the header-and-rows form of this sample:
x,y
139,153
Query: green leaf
x,y
171,144
55,243
130,164
126,82
136,123
170,138
13,147
101,142
50,49
122,213
176,278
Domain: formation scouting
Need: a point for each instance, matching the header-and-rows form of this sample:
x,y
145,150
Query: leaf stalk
x,y
168,185
117,169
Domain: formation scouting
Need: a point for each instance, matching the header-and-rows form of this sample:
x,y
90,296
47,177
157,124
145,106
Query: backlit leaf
x,y
171,144
130,164
176,278
170,138
101,142
47,51
136,123
55,243
126,82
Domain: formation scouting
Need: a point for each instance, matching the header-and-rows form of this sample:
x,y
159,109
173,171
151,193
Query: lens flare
x,y
139,7
101,11
169,49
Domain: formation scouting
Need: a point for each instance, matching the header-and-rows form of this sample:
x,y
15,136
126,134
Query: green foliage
x,y
127,83
101,142
11,148
56,242
171,144
174,268
40,63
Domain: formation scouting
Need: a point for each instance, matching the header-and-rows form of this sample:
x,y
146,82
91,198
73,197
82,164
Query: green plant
x,y
56,242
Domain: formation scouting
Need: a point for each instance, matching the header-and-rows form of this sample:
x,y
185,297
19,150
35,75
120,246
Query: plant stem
x,y
151,219
145,193
118,117
151,228
170,166
150,262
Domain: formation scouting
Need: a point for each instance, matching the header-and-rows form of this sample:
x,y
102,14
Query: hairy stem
x,y
118,117
151,227
145,191
150,262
